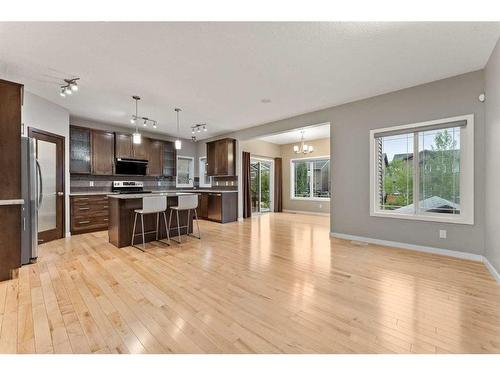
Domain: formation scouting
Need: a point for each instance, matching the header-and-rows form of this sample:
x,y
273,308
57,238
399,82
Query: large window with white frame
x,y
424,171
310,178
185,171
205,180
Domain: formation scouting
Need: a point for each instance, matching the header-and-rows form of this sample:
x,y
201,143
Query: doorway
x,y
261,185
49,149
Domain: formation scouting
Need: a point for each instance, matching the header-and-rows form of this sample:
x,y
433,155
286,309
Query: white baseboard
x,y
492,269
307,212
424,249
408,246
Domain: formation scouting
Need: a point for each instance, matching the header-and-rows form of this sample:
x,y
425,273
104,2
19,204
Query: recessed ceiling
x,y
219,73
310,133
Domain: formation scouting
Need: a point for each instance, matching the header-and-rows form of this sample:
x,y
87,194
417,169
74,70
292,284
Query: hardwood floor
x,y
272,284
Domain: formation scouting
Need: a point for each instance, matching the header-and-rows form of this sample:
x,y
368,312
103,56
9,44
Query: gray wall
x,y
350,158
492,158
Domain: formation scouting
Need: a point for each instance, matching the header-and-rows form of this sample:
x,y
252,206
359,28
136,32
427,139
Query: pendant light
x,y
136,137
178,143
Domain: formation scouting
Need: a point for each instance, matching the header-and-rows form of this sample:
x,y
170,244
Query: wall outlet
x,y
442,233
91,183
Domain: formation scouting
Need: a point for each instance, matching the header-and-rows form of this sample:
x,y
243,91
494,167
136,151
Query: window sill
x,y
433,218
310,199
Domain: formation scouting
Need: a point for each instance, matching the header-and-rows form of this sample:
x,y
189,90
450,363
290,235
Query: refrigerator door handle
x,y
39,172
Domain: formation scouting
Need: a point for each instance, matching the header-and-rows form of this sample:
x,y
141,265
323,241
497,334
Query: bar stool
x,y
151,205
185,203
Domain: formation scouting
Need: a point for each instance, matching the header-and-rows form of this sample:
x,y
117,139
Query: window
x,y
424,171
310,178
205,181
185,171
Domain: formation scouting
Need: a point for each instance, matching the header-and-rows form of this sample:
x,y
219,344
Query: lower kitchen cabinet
x,y
220,207
89,213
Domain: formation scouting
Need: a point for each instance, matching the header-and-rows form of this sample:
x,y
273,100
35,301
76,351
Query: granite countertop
x,y
135,196
80,193
91,193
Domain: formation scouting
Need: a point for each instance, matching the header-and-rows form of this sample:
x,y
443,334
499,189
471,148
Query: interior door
x,y
50,167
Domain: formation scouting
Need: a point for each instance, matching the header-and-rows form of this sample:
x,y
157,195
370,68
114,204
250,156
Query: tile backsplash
x,y
86,183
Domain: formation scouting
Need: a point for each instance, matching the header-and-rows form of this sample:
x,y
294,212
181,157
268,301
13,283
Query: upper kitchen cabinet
x,y
80,147
103,152
169,159
221,157
141,149
155,158
123,146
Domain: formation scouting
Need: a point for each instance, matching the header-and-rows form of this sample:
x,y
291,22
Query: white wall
x,y
44,115
492,158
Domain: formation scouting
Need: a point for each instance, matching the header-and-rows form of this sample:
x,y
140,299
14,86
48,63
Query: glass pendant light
x,y
136,137
178,143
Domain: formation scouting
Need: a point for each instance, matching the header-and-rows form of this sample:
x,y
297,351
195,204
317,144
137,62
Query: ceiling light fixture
x,y
145,120
136,136
302,148
178,143
198,128
70,85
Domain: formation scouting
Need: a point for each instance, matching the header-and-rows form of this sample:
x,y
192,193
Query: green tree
x,y
440,171
398,183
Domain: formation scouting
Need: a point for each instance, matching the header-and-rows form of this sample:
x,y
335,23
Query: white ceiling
x,y
293,136
218,73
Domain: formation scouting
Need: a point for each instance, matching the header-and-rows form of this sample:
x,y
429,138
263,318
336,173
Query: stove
x,y
129,187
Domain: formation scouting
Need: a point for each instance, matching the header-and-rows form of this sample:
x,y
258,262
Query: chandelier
x,y
302,148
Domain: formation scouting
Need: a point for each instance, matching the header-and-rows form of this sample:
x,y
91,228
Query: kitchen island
x,y
121,218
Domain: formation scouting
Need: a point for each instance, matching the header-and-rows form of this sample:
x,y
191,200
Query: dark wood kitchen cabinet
x,y
221,157
10,165
80,150
155,158
123,146
203,205
103,152
89,213
141,149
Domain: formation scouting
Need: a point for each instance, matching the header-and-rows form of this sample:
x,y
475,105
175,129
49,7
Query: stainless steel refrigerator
x,y
32,193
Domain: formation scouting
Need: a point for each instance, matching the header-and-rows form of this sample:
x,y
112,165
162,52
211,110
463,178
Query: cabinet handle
x,y
84,208
81,198
84,222
106,219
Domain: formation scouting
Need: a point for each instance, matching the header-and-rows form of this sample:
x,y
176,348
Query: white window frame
x,y
191,175
201,172
466,215
311,180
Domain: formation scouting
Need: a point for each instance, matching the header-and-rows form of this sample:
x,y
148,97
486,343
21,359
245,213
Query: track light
x,y
198,128
70,85
144,123
132,120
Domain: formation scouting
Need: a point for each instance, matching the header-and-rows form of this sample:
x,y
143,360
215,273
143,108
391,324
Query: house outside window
x,y
310,178
424,171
